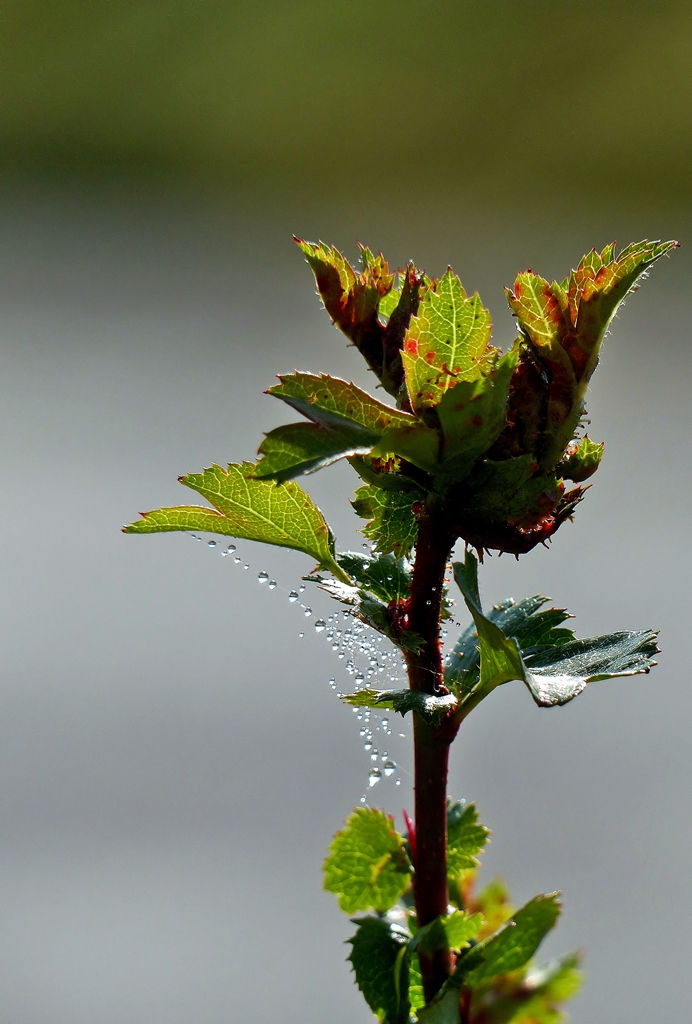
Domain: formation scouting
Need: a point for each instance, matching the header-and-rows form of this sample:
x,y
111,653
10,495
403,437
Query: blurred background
x,y
174,761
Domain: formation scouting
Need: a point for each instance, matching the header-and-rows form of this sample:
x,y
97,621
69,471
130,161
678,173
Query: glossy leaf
x,y
432,709
392,524
446,342
386,577
465,838
554,666
380,961
261,510
367,866
298,448
517,940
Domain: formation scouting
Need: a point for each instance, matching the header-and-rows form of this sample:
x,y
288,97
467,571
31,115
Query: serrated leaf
x,y
565,325
381,966
465,838
517,941
416,996
432,709
451,932
415,442
261,510
331,401
298,448
447,341
555,667
386,577
354,300
367,866
392,525
581,461
472,415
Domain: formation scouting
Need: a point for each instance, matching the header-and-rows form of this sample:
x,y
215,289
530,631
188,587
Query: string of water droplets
x,y
365,654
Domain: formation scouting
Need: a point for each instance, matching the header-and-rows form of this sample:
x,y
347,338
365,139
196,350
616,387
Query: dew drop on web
x,y
211,543
389,767
320,625
307,612
272,584
374,776
293,596
262,576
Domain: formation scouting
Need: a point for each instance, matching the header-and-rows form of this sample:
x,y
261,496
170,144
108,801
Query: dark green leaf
x,y
386,577
392,525
381,965
298,448
260,510
432,709
379,617
465,837
554,666
367,866
517,941
444,1008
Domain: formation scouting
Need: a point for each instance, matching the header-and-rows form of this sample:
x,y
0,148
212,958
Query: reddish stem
x,y
431,744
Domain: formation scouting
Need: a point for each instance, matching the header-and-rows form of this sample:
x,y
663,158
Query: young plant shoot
x,y
474,445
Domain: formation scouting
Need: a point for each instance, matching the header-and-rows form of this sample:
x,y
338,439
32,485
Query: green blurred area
x,y
513,101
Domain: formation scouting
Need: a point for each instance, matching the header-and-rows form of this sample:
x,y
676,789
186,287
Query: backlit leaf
x,y
298,448
392,525
261,510
367,866
386,577
446,342
465,838
432,709
451,932
331,401
517,941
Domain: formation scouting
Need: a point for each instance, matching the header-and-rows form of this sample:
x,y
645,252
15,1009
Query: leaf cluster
x,y
369,869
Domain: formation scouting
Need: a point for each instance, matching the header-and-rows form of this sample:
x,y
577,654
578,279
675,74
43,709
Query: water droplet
x,y
385,723
272,584
367,746
211,543
246,566
231,547
363,732
398,782
332,683
301,635
363,798
360,678
374,755
374,776
293,596
301,588
444,633
389,767
402,735
320,625
307,612
237,559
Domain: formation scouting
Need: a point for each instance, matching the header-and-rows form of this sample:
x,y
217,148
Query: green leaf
x,y
451,932
392,525
517,941
432,709
444,1008
367,867
565,325
381,965
530,996
415,442
554,666
298,448
446,342
333,402
465,837
388,578
500,660
416,996
261,510
380,618
472,415
581,461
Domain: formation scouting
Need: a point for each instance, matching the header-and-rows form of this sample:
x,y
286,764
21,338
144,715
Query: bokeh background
x,y
173,759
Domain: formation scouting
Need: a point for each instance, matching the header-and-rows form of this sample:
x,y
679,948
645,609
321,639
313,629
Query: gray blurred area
x,y
174,762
